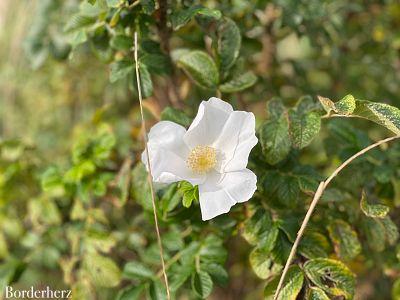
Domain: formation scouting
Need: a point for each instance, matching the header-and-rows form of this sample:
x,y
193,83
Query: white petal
x,y
235,142
168,154
221,191
209,121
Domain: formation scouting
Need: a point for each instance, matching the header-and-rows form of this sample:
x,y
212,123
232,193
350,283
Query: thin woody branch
x,y
321,188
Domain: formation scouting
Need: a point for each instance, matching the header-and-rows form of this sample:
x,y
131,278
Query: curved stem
x,y
150,175
321,188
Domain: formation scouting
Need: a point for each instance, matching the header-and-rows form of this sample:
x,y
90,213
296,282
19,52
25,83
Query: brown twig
x,y
321,188
150,175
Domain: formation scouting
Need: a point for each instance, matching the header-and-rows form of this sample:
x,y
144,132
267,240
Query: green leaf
x,y
202,284
304,127
200,67
148,6
189,192
176,116
137,270
314,293
102,270
172,240
313,245
396,290
345,239
78,21
262,264
228,46
380,113
121,42
145,81
10,271
375,233
52,182
158,64
179,276
218,273
182,17
113,3
292,285
255,226
332,276
392,232
140,188
275,108
157,290
131,293
275,140
239,83
212,250
170,199
373,210
344,106
120,69
115,18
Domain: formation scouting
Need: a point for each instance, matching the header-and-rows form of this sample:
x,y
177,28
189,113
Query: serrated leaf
x,y
373,210
176,116
275,140
218,273
121,42
120,69
304,127
239,83
202,284
182,17
102,270
313,245
156,63
200,67
314,293
78,21
345,239
145,81
332,276
137,270
380,113
256,225
292,285
228,46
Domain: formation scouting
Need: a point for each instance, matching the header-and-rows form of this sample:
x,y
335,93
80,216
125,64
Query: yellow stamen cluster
x,y
202,159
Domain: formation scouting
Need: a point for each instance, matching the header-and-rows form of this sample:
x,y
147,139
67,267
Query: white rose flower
x,y
213,154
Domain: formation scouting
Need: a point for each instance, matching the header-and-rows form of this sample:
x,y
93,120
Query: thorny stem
x,y
321,188
150,175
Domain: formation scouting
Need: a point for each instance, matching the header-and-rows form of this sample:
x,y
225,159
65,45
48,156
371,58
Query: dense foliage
x,y
75,204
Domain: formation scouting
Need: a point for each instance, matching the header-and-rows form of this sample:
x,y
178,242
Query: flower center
x,y
201,159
